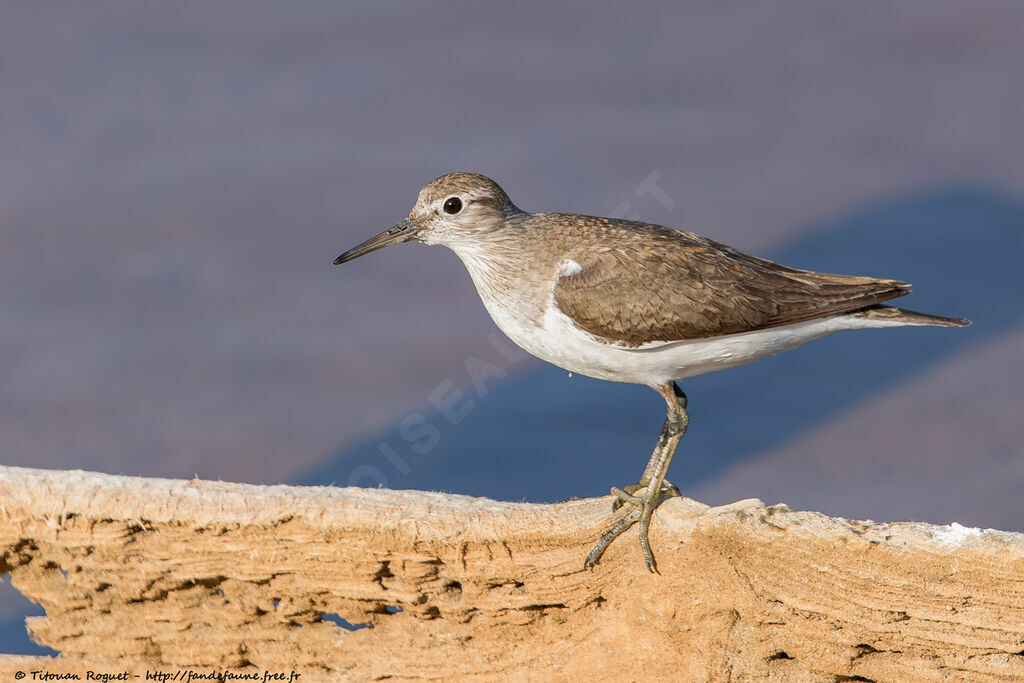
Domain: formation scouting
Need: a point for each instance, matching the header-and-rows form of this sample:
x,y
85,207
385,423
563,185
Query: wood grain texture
x,y
144,573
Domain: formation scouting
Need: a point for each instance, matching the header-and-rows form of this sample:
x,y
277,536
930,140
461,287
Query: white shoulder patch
x,y
569,267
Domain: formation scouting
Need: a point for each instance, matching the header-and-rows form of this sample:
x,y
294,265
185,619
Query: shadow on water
x,y
542,437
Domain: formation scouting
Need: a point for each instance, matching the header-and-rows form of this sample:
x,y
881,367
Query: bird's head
x,y
453,210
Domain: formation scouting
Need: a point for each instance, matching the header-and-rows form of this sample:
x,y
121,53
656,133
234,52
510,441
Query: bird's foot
x,y
625,495
643,507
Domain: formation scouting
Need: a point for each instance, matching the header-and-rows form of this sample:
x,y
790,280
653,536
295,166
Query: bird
x,y
634,302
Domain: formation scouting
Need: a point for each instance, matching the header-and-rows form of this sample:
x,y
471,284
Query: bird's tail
x,y
900,316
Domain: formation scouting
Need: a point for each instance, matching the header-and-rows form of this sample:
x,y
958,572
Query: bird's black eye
x,y
452,205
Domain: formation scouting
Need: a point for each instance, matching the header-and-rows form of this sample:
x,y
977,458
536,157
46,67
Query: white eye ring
x,y
452,205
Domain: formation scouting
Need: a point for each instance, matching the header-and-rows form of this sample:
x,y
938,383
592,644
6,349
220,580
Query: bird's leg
x,y
676,400
646,495
625,494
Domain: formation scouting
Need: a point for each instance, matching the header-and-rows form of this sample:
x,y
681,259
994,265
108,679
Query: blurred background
x,y
175,181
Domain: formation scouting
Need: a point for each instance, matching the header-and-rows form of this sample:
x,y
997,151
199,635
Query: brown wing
x,y
648,283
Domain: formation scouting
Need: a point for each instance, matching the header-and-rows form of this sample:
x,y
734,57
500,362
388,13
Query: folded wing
x,y
653,284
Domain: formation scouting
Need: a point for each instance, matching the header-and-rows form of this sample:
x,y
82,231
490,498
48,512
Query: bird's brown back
x,y
644,283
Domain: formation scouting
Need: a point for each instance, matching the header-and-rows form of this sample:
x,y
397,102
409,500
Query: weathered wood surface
x,y
158,573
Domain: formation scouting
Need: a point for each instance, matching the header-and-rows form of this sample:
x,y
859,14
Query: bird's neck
x,y
506,272
490,258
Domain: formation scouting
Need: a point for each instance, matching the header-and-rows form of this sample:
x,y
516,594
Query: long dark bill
x,y
403,232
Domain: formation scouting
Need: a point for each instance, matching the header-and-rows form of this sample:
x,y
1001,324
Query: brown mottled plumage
x,y
645,283
634,302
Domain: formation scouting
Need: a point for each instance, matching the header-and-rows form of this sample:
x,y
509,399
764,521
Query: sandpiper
x,y
634,302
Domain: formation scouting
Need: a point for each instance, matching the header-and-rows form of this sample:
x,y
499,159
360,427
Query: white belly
x,y
558,341
539,327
